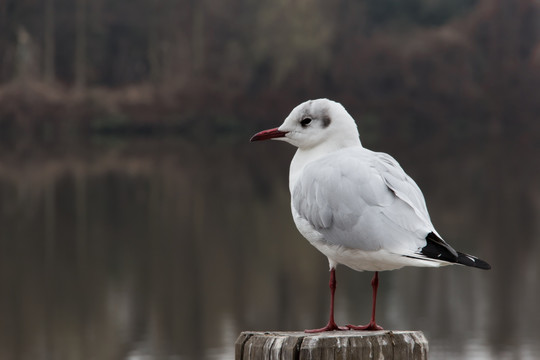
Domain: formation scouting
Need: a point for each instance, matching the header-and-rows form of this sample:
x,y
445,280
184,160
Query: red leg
x,y
331,323
372,324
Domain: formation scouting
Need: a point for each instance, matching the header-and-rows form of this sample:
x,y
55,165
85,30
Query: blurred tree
x,y
80,45
403,14
26,56
292,41
463,64
49,42
198,35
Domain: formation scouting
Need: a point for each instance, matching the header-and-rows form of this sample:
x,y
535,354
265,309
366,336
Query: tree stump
x,y
281,345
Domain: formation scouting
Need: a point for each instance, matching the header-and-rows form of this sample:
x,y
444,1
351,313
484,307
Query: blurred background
x,y
138,222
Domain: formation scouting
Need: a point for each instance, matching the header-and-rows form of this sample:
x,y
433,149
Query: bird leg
x,y
331,323
372,324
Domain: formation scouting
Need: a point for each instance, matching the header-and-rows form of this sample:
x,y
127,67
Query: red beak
x,y
268,134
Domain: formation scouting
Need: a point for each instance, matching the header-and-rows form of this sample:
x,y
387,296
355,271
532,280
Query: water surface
x,y
167,248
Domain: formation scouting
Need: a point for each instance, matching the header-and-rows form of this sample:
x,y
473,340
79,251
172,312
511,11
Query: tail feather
x,y
469,260
437,249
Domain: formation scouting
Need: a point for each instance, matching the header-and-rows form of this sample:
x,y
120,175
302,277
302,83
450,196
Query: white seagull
x,y
356,206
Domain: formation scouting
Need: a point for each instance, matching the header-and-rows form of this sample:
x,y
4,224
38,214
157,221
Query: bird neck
x,y
302,157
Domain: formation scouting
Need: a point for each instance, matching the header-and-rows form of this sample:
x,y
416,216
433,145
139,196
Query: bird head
x,y
313,123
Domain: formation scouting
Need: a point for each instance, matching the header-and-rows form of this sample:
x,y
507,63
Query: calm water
x,y
167,249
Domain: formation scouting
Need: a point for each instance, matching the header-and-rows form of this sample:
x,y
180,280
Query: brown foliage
x,y
469,69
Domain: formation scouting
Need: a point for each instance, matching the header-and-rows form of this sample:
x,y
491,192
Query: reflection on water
x,y
168,249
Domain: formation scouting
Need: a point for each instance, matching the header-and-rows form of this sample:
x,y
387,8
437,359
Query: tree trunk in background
x,y
153,44
80,45
153,57
197,37
4,41
26,60
49,43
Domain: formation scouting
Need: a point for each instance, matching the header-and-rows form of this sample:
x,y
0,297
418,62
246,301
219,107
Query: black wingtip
x,y
472,261
438,249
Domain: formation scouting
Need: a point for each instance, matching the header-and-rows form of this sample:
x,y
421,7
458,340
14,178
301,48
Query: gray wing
x,y
400,183
363,200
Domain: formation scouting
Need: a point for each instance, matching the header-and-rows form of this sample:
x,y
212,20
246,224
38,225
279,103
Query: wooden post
x,y
281,345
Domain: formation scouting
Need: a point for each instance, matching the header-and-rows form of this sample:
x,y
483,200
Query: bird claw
x,y
371,326
328,327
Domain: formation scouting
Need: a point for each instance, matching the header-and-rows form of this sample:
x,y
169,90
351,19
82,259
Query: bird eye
x,y
305,122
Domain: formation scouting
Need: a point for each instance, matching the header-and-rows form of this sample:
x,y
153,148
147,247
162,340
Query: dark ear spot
x,y
326,121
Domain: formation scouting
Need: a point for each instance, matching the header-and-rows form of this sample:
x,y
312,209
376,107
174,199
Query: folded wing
x,y
364,200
